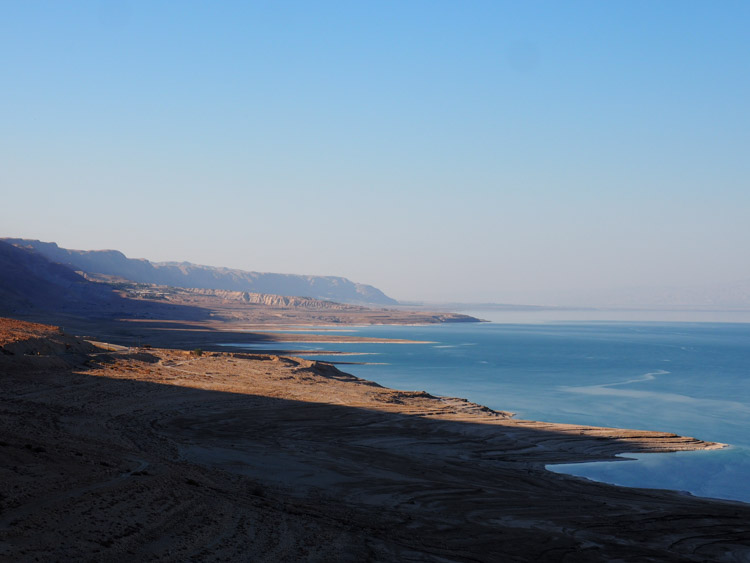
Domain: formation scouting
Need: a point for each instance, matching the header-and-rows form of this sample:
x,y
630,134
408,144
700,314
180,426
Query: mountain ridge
x,y
34,288
190,275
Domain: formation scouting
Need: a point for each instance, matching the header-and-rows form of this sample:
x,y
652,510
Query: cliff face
x,y
269,300
185,274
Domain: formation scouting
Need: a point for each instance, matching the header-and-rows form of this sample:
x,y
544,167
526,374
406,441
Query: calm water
x,y
689,378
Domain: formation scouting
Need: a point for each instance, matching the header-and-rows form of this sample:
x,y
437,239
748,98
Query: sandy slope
x,y
112,455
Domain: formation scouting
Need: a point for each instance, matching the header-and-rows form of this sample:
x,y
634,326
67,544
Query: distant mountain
x,y
32,286
185,274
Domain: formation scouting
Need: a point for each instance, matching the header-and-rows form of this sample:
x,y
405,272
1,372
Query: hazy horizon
x,y
473,152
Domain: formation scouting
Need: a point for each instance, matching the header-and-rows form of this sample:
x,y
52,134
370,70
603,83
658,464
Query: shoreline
x,y
293,457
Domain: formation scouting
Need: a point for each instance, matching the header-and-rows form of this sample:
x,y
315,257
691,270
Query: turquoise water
x,y
689,378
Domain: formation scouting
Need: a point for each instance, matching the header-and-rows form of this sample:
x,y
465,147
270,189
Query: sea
x,y
683,376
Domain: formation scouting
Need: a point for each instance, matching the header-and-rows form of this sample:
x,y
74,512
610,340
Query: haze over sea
x,y
690,378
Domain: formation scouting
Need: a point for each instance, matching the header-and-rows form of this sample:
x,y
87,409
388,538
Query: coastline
x,y
287,458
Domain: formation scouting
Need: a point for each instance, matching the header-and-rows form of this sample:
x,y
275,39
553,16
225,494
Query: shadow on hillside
x,y
455,483
332,422
128,322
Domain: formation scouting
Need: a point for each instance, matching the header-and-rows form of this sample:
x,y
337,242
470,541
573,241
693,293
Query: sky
x,y
460,151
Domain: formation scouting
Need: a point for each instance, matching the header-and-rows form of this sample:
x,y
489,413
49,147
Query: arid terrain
x,y
32,287
269,309
122,454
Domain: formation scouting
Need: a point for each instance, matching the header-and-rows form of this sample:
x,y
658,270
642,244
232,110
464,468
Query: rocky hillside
x,y
31,286
20,340
29,282
185,274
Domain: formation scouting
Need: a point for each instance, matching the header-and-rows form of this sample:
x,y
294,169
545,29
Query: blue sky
x,y
438,150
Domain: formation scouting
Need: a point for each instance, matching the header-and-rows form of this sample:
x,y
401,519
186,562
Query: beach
x,y
119,454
